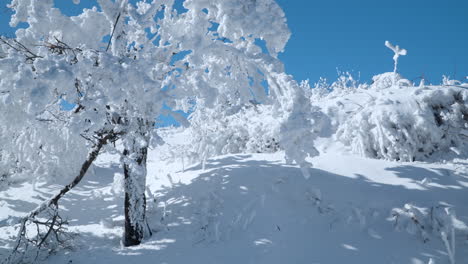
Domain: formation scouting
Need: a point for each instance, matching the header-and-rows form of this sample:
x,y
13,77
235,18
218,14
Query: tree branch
x,y
55,223
113,31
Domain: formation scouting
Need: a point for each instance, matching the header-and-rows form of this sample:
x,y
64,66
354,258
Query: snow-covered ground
x,y
256,209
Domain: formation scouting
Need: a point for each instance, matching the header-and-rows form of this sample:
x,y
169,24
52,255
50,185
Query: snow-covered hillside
x,y
264,170
253,208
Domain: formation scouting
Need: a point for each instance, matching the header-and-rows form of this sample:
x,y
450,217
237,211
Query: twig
x,y
113,31
19,47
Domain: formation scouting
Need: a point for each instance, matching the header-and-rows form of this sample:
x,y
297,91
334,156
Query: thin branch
x,y
54,225
113,31
19,47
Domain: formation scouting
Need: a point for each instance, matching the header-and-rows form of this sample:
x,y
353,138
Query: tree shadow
x,y
19,205
92,200
443,177
240,210
441,183
236,196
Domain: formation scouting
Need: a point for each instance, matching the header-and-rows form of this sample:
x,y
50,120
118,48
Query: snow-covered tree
x,y
155,57
397,53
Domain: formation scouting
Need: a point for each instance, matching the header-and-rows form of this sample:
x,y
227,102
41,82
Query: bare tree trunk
x,y
134,165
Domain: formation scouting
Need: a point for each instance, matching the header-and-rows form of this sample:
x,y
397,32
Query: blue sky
x,y
350,35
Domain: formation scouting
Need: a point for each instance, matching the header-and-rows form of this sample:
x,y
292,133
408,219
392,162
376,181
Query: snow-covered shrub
x,y
408,123
391,118
388,79
38,147
437,221
447,81
334,100
256,127
253,129
323,91
344,83
394,120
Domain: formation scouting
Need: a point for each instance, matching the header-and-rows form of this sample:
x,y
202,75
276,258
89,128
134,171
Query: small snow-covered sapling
x,y
398,52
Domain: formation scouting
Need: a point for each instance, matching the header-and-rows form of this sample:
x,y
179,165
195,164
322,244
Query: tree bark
x,y
134,165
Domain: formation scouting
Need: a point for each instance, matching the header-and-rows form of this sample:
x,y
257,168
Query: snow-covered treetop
x,y
135,60
217,37
239,21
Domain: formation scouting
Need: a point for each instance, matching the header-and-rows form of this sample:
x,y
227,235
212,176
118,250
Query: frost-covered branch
x,y
438,221
113,31
19,47
397,53
53,227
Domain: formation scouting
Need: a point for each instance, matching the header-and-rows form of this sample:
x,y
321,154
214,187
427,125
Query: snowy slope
x,y
256,209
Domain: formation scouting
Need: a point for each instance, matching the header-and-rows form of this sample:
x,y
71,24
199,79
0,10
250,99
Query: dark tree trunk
x,y
134,165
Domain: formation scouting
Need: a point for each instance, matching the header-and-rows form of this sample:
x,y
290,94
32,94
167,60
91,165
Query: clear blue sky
x,y
350,35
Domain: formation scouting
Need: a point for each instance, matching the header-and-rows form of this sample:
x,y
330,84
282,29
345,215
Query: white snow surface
x,y
253,208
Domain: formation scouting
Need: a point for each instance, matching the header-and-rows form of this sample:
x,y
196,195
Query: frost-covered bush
x,y
436,221
250,130
253,129
408,125
334,100
36,147
392,119
256,128
447,81
345,83
387,80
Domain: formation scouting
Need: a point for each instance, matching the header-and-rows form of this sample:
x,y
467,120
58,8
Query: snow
x,y
255,208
